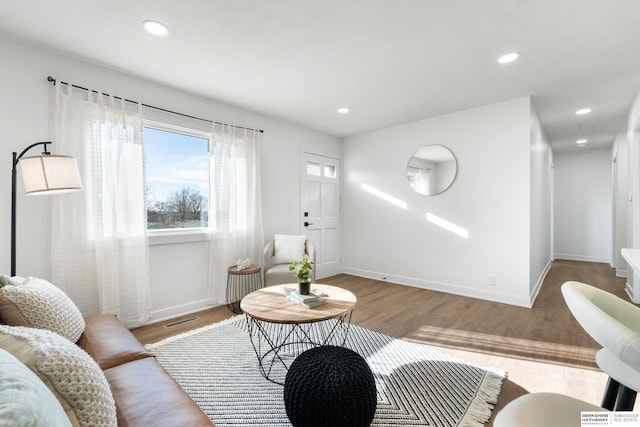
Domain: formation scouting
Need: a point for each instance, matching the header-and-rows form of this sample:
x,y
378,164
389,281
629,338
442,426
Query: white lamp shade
x,y
50,174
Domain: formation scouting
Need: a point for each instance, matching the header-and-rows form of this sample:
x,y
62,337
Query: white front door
x,y
320,203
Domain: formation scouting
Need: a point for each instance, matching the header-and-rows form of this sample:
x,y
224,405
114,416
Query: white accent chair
x,y
544,410
278,255
614,324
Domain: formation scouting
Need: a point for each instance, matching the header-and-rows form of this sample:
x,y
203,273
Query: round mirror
x,y
432,169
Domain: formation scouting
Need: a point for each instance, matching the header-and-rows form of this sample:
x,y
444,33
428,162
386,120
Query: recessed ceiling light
x,y
581,141
508,57
343,110
583,111
155,28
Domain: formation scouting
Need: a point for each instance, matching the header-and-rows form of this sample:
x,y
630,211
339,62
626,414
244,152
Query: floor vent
x,y
180,322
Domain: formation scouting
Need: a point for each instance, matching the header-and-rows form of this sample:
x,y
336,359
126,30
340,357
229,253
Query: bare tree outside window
x,y
184,208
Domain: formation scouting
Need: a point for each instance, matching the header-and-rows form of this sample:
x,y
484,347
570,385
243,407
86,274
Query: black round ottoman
x,y
330,386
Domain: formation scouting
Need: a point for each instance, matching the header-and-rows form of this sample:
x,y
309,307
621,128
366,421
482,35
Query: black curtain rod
x,y
52,80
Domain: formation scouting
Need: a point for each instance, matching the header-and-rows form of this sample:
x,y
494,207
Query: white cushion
x,y
544,410
288,248
279,274
39,304
68,371
24,399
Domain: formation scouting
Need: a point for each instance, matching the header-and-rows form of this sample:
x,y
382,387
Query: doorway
x,y
321,210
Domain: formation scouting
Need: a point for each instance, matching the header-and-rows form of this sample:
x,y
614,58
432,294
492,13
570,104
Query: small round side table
x,y
241,283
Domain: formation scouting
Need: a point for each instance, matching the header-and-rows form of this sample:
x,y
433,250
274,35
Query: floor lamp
x,y
44,174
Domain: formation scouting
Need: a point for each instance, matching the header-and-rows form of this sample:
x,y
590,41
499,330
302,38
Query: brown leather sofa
x,y
145,394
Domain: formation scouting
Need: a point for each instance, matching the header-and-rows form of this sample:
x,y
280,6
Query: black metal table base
x,y
278,344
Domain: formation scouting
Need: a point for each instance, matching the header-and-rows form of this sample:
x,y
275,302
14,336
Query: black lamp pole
x,y
16,159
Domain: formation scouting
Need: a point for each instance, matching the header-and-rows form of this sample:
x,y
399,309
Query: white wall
x,y
633,141
621,204
490,199
583,205
541,205
633,185
178,271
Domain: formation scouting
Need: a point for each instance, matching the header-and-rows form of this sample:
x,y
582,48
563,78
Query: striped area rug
x,y
416,385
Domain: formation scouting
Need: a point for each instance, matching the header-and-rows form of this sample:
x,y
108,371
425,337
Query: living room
x,y
503,195
511,236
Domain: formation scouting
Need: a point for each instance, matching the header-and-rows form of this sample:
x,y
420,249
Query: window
x,y
313,168
177,177
330,171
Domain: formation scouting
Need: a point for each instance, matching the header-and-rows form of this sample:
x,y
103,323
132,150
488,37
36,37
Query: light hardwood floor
x,y
542,348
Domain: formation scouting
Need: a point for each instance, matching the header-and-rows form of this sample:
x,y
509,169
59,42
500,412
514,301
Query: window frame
x,y
161,236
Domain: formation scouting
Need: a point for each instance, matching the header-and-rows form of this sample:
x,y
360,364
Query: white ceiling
x,y
390,61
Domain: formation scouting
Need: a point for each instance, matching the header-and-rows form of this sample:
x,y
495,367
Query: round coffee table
x,y
280,330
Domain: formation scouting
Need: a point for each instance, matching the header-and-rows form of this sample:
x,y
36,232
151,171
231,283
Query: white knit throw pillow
x,y
39,304
67,370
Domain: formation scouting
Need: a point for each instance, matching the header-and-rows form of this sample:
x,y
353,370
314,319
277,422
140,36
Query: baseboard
x,y
176,311
621,273
536,289
574,257
448,288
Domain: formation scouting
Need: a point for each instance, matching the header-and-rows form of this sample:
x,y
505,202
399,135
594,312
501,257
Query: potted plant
x,y
302,270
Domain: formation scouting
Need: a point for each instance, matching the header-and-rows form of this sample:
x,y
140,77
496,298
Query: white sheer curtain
x,y
236,213
99,242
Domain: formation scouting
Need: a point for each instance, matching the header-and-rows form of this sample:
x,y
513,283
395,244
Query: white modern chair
x,y
614,324
544,410
280,252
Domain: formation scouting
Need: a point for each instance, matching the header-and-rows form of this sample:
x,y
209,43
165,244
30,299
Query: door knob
x,y
307,223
